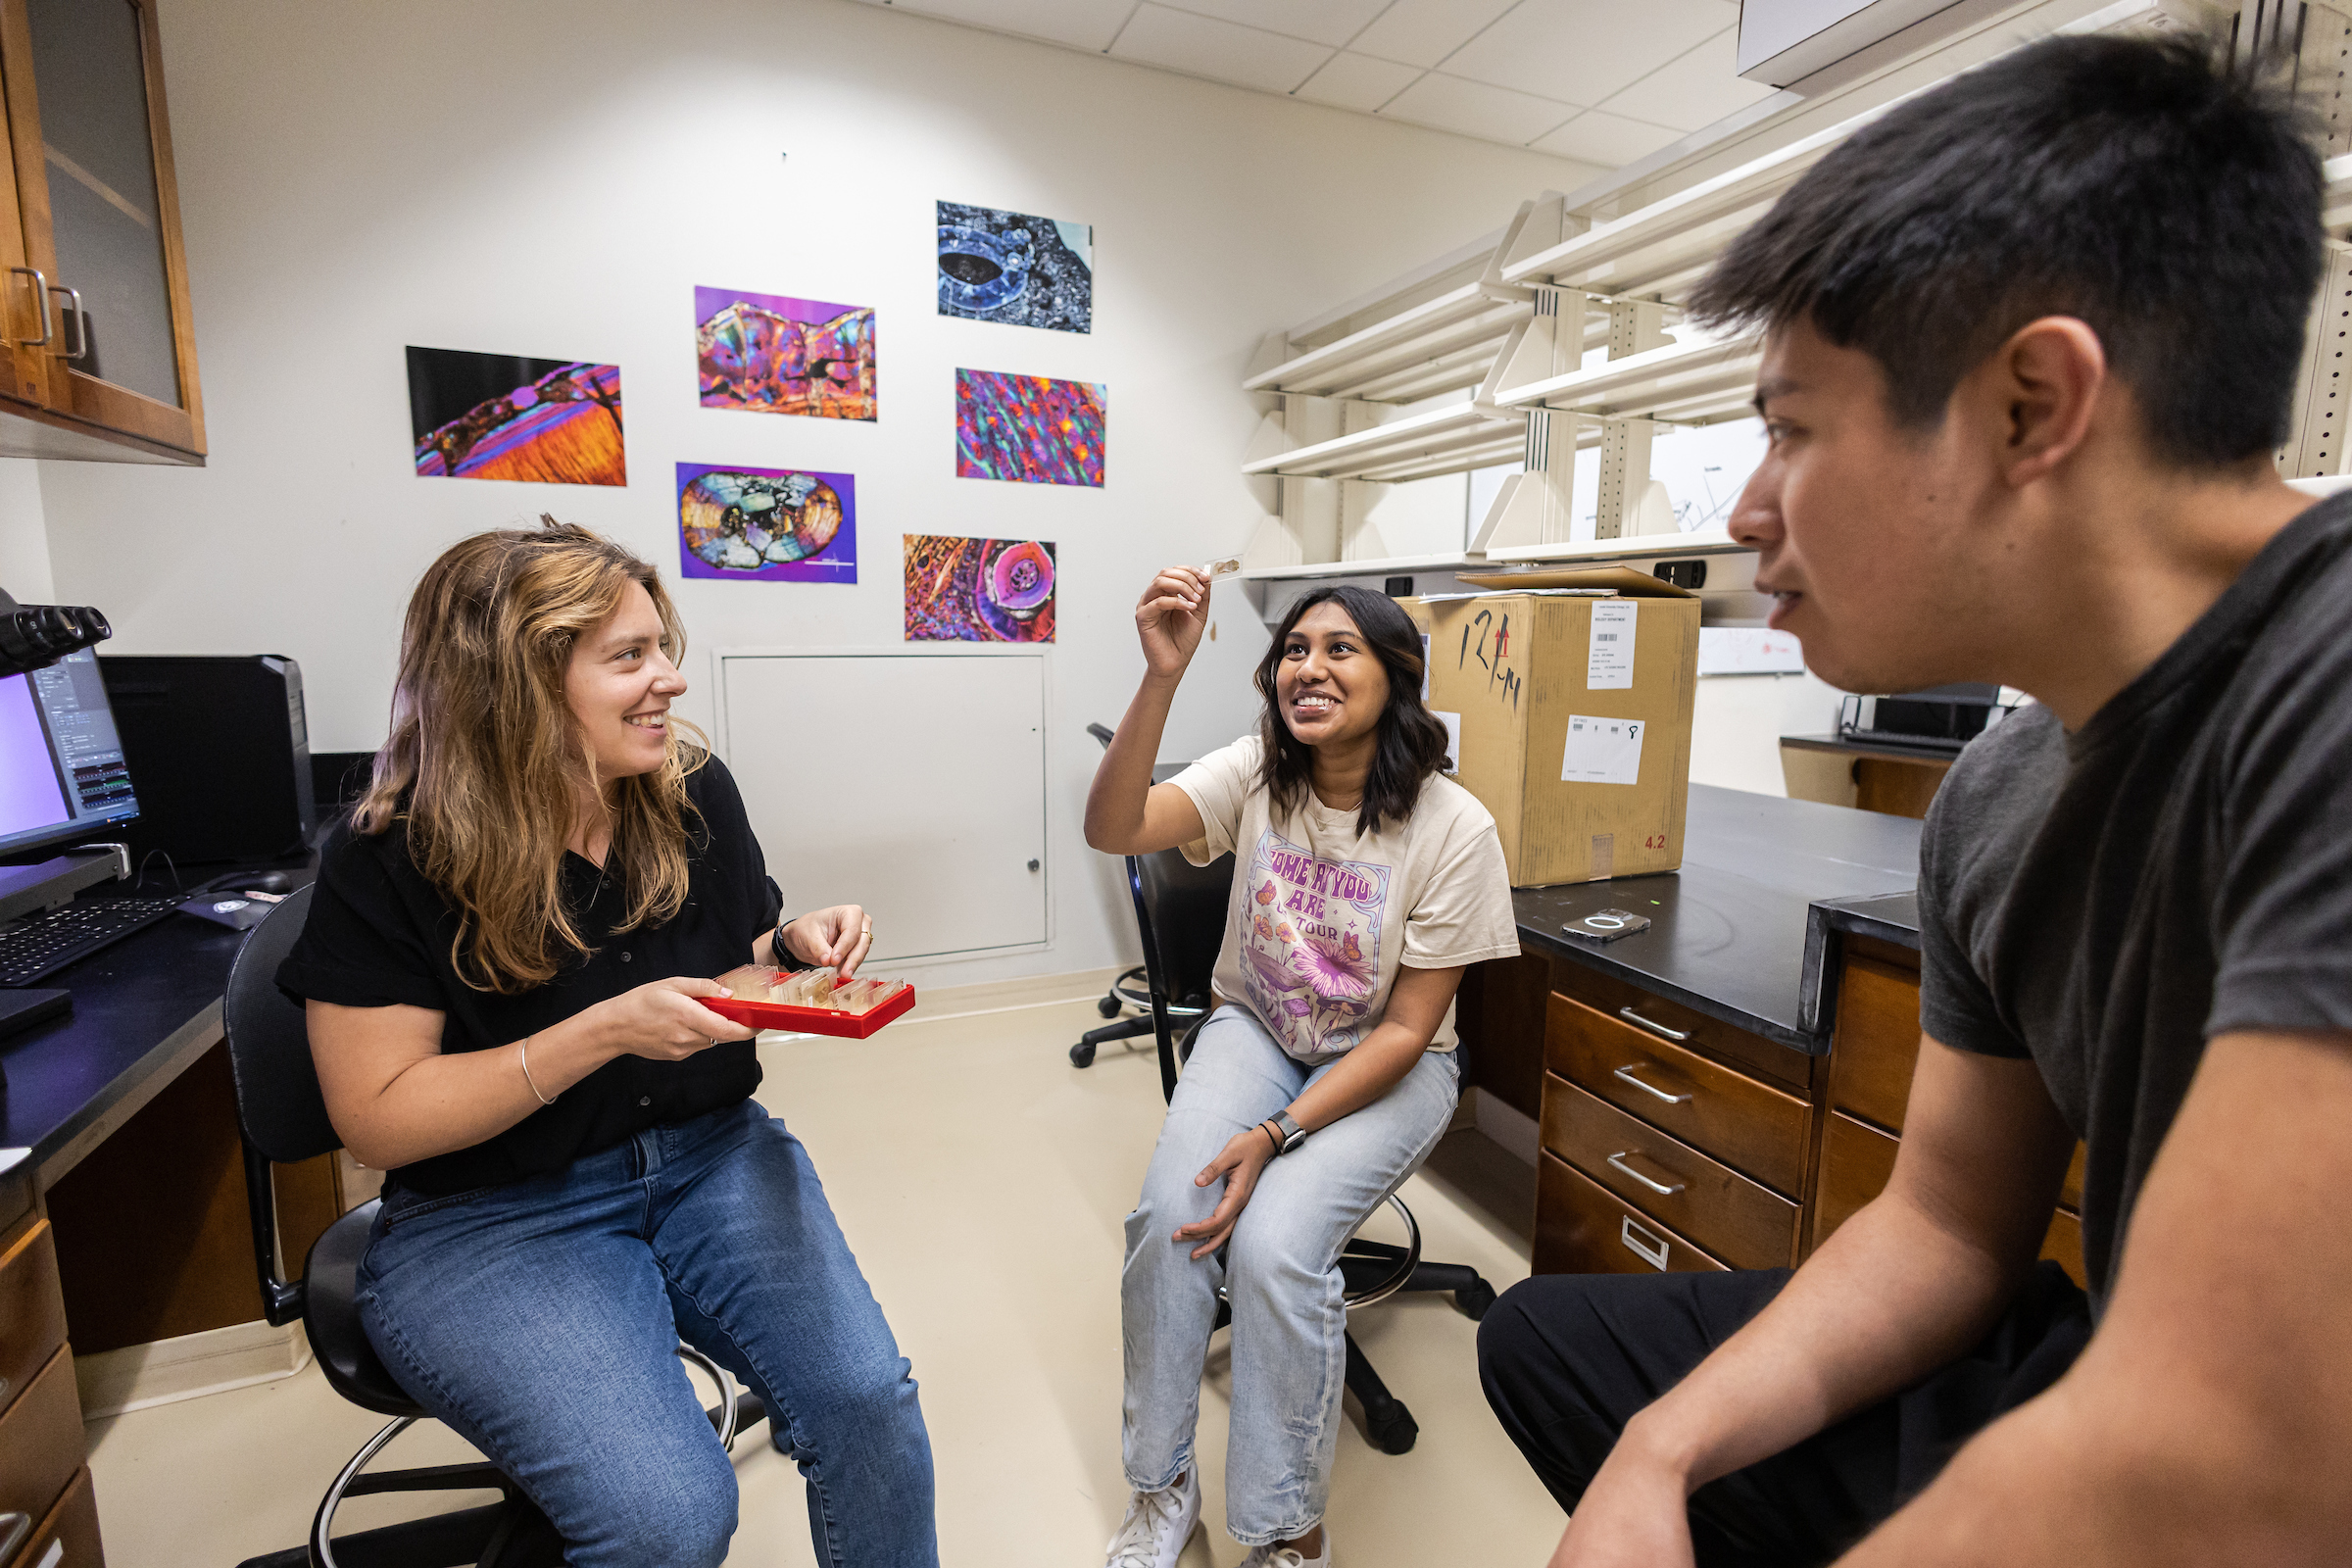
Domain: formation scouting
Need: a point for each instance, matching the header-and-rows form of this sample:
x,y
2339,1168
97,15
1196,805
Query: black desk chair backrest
x,y
279,1109
1180,915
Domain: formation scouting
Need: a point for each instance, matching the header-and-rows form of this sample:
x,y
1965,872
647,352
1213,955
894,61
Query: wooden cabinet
x,y
100,359
45,1495
1674,1141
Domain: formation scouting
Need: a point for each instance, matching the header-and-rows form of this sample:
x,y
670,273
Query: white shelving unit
x,y
1507,327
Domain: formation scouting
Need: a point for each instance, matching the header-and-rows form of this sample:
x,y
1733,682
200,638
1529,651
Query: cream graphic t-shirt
x,y
1321,917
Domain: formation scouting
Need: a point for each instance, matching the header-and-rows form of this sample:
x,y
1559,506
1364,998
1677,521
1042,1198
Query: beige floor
x,y
982,1181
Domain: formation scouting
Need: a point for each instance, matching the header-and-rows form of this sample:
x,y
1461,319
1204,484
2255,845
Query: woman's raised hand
x,y
664,1022
1170,617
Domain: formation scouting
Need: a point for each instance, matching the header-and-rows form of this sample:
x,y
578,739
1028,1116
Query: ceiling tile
x,y
1582,51
1331,21
1497,114
1223,51
1697,89
1422,32
1357,81
1603,139
1081,24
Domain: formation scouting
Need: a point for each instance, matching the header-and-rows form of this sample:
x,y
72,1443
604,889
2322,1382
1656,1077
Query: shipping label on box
x,y
1601,750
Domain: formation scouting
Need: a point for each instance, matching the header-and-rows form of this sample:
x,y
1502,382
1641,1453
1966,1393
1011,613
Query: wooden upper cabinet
x,y
102,355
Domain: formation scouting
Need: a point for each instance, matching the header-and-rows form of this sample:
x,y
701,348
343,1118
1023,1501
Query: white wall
x,y
1738,722
553,179
25,569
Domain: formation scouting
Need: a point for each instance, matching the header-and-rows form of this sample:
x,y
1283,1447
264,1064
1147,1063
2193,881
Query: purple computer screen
x,y
29,795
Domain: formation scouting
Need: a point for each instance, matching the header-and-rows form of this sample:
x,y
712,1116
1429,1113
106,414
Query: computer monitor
x,y
62,774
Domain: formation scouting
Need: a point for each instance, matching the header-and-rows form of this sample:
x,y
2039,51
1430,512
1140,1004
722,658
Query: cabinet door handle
x,y
1649,1248
1625,1074
81,326
1617,1163
1677,1036
13,1528
40,293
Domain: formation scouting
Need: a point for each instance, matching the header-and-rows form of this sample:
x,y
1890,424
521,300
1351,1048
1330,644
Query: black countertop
x,y
1736,933
144,1009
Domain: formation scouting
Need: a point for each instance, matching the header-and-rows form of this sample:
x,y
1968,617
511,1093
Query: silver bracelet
x,y
523,1049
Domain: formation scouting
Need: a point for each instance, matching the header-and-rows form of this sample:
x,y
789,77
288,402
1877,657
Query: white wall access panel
x,y
913,783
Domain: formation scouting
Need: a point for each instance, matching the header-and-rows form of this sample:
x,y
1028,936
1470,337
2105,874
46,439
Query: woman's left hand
x,y
838,938
1243,1158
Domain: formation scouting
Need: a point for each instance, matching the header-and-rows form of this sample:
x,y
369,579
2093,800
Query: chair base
x,y
511,1532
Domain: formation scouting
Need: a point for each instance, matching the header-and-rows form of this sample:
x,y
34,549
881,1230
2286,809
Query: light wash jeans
x,y
1281,1271
541,1320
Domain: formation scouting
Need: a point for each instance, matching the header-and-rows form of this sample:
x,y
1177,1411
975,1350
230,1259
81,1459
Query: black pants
x,y
1567,1359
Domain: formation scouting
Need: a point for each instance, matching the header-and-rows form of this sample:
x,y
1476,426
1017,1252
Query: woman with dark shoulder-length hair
x,y
1364,880
502,969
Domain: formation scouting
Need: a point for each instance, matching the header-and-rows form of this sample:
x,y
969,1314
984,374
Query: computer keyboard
x,y
47,942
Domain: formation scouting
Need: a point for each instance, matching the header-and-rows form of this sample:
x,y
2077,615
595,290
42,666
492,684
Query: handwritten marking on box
x,y
1603,751
1609,665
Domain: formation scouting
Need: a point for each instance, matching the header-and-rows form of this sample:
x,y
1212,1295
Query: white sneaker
x,y
1157,1525
1288,1556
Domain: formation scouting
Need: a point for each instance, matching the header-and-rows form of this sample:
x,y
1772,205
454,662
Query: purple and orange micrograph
x,y
979,590
1029,429
772,354
506,417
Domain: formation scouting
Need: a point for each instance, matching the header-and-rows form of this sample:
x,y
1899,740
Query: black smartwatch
x,y
785,958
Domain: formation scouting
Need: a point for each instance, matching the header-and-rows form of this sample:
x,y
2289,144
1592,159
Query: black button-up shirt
x,y
379,934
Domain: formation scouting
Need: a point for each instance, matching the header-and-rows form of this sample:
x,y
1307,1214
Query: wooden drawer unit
x,y
40,1441
1877,1042
68,1537
1583,1228
33,1309
1746,1225
1743,1122
1856,1162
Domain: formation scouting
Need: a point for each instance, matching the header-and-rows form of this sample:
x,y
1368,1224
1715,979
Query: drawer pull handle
x,y
1677,1036
1650,1249
13,1528
1617,1163
40,294
54,1555
1626,1072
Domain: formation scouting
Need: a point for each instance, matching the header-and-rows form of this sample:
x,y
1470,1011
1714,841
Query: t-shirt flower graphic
x,y
1310,960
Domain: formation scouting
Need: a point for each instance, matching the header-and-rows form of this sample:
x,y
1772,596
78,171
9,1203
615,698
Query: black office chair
x,y
1180,915
1135,987
284,1118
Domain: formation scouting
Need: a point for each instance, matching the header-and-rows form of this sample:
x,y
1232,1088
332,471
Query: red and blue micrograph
x,y
1029,429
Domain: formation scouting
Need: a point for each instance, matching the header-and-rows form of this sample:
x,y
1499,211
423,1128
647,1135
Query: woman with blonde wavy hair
x,y
501,969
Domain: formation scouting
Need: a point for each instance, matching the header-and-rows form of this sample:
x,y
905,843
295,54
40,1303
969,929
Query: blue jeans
x,y
1281,1271
541,1320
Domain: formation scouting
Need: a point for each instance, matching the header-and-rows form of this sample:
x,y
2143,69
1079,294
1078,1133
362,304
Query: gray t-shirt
x,y
2106,902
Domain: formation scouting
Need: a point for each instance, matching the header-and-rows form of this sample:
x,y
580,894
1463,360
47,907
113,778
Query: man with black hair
x,y
2031,341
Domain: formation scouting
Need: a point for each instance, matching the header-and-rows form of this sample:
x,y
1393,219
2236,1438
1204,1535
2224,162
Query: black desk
x,y
144,1011
1732,933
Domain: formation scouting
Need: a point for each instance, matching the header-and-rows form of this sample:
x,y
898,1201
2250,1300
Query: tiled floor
x,y
983,1182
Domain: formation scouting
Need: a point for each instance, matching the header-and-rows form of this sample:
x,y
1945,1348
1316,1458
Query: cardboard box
x,y
1570,701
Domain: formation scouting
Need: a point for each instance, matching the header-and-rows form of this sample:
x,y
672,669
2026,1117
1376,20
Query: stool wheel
x,y
1082,1055
1475,1299
1108,1007
1392,1428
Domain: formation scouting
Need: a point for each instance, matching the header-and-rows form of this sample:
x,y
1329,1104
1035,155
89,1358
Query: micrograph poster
x,y
996,266
503,417
767,524
1028,428
978,590
773,354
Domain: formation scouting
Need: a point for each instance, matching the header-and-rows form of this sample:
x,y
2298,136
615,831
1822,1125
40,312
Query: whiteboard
x,y
928,807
